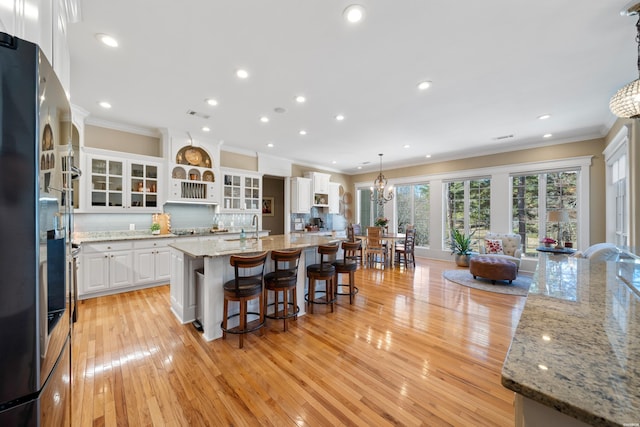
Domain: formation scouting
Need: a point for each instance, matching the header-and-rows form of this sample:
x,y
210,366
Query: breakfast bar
x,y
199,296
575,356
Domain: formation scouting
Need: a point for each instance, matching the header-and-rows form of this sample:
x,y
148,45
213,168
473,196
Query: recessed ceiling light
x,y
264,119
544,117
303,132
424,85
242,73
354,13
107,40
359,167
406,146
547,135
428,156
334,162
300,99
270,145
339,117
104,104
205,129
211,102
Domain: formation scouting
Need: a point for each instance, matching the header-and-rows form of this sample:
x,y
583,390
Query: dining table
x,y
390,238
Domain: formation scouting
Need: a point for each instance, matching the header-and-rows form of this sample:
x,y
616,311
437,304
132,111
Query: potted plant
x,y
460,245
547,242
381,222
155,228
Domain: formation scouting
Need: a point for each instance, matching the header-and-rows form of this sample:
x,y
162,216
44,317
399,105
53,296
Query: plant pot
x,y
155,232
547,245
462,260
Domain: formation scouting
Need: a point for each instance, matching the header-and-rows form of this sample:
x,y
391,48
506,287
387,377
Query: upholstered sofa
x,y
599,252
511,246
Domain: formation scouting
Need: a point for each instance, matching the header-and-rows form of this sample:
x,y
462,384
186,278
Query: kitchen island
x,y
575,356
199,269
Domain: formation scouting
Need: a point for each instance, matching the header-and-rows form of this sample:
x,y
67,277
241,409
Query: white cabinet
x,y
105,266
241,191
151,261
122,185
300,195
319,188
334,198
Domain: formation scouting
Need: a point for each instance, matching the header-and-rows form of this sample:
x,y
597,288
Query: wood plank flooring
x,y
413,349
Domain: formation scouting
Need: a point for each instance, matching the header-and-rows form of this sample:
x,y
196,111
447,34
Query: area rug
x,y
519,287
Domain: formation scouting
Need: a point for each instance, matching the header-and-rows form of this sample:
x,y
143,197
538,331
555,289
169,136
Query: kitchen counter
x,y
576,350
110,236
199,296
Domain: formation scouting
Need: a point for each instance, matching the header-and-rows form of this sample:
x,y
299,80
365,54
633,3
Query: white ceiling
x,y
495,65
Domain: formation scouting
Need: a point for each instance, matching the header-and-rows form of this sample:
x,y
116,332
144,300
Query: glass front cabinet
x,y
241,191
116,184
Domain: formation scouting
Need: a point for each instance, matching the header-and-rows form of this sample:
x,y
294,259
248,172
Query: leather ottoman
x,y
493,268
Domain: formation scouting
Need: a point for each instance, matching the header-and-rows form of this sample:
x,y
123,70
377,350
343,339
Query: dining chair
x,y
406,248
376,250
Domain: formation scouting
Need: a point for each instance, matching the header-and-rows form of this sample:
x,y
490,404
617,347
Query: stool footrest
x,y
289,313
252,326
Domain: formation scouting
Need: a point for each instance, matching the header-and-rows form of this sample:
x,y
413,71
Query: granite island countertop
x,y
577,345
269,243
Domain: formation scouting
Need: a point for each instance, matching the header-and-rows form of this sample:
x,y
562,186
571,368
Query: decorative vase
x,y
462,260
547,245
155,232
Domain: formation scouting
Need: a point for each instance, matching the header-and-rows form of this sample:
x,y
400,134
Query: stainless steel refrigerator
x,y
35,248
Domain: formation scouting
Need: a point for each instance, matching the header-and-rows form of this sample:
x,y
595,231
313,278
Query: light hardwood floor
x,y
413,349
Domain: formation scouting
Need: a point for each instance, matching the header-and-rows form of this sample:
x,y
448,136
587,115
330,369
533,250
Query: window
x,y
619,189
468,207
412,207
368,210
534,197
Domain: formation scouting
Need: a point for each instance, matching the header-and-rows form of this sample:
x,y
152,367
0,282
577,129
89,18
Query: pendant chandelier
x,y
626,102
378,189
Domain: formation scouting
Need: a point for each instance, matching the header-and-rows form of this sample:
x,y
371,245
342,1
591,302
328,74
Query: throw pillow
x,y
493,246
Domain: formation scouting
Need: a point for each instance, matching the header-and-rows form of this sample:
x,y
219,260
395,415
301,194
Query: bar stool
x,y
348,265
351,236
245,286
323,271
283,279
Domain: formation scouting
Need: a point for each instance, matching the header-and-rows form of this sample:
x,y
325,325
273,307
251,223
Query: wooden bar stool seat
x,y
283,280
246,285
348,265
326,272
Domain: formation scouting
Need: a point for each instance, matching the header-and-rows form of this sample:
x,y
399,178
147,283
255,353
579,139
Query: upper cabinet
x,y
334,198
192,177
319,188
118,184
300,195
241,191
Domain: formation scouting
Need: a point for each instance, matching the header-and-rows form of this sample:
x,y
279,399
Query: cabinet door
x,y
252,193
301,193
163,264
144,266
143,185
334,198
95,273
177,281
106,183
120,269
232,191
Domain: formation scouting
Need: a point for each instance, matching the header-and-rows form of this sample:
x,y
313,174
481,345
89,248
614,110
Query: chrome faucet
x,y
254,221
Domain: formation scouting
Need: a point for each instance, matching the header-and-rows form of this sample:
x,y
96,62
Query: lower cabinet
x,y
105,266
109,268
151,262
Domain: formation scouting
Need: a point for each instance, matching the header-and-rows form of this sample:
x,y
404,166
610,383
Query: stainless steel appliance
x,y
35,246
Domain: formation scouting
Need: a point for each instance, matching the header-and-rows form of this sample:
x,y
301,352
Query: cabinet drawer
x,y
152,243
106,247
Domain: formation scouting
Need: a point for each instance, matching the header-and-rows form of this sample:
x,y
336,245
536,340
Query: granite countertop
x,y
110,236
270,243
577,345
